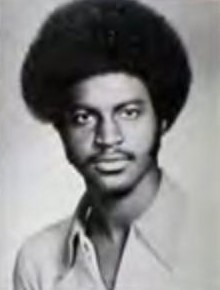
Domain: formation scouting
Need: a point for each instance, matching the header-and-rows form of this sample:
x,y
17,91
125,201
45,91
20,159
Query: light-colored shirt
x,y
63,258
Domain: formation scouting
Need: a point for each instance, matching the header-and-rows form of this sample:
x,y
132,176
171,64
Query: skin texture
x,y
110,131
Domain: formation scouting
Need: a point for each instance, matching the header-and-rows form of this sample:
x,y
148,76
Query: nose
x,y
108,133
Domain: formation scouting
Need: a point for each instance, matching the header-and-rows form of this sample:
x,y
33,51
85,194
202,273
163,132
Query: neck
x,y
117,214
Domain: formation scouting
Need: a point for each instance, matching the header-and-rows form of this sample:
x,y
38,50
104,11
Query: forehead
x,y
109,90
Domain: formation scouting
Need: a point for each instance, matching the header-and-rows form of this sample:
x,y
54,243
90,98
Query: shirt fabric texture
x,y
62,257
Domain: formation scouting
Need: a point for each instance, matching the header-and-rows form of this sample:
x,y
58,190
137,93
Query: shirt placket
x,y
87,257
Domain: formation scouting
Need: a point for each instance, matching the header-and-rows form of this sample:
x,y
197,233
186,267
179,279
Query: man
x,y
111,77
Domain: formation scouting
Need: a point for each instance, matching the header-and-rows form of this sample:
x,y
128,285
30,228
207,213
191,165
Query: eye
x,y
82,118
130,112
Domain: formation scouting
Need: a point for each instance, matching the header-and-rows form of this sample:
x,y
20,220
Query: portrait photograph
x,y
110,145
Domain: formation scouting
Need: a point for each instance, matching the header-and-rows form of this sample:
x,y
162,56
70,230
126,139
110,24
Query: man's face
x,y
110,131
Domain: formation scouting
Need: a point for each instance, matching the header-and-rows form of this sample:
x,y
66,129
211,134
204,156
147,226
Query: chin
x,y
113,186
111,193
119,183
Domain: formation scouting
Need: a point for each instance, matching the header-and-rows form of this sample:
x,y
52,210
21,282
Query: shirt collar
x,y
159,227
76,230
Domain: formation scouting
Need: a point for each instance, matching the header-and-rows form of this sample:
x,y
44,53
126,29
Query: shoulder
x,y
51,238
43,250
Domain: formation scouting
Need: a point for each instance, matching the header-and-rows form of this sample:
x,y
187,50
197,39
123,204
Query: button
x,y
86,247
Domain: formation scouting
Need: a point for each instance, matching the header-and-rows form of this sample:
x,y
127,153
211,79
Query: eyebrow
x,y
138,102
78,106
75,107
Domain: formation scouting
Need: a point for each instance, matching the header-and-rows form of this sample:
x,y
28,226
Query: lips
x,y
113,163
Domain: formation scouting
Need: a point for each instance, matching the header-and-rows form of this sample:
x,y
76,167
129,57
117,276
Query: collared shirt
x,y
63,258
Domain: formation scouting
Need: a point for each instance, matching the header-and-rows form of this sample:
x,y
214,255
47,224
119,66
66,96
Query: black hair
x,y
90,37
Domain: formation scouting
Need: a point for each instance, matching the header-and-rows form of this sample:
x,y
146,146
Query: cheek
x,y
77,144
142,136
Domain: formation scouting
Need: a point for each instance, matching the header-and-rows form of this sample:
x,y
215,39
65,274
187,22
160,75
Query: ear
x,y
62,133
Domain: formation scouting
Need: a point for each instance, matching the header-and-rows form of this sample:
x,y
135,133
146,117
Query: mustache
x,y
116,154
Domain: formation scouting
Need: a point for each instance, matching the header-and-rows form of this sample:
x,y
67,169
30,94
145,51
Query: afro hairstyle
x,y
91,37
